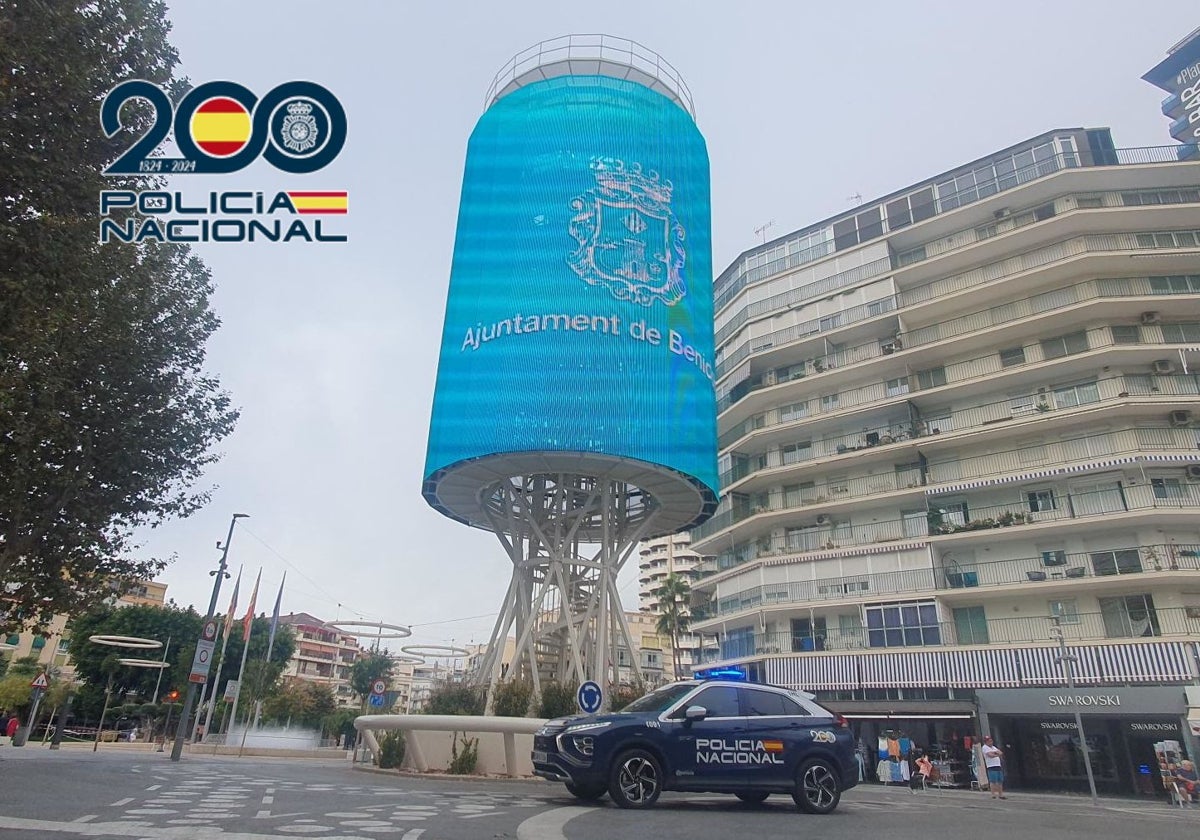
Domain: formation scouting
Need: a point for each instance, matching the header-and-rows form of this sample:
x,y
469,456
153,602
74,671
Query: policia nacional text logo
x,y
221,127
740,751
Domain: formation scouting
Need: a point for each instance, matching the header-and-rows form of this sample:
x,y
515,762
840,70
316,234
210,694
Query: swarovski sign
x,y
1084,700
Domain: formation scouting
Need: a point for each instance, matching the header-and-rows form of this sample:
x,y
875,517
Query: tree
x,y
672,601
108,418
301,702
366,669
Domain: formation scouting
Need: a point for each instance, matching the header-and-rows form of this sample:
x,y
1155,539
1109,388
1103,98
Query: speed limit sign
x,y
378,687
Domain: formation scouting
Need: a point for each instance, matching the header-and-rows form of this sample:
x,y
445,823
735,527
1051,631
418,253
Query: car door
x,y
704,752
775,733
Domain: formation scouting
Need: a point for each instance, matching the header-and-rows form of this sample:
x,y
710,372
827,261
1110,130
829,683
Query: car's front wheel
x,y
635,780
817,788
587,792
754,798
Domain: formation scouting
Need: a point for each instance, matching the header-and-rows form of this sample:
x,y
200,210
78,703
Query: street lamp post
x,y
1066,660
189,703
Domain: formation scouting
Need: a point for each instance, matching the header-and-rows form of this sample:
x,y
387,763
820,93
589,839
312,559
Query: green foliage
x,y
302,702
391,750
455,699
338,722
512,698
558,700
372,666
625,695
463,763
108,416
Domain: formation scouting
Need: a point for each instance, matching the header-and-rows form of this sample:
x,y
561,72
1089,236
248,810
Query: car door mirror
x,y
695,713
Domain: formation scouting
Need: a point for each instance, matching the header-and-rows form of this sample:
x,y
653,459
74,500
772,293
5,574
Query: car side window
x,y
758,703
719,700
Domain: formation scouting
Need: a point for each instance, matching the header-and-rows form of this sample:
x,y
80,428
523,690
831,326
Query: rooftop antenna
x,y
762,230
855,199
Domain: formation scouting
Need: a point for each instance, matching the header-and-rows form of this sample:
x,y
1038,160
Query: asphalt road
x,y
135,794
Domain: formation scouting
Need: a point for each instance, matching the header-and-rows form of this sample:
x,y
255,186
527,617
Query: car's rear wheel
x,y
635,780
754,798
587,792
817,788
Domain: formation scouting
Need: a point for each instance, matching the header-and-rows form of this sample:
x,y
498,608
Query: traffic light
x,y
172,695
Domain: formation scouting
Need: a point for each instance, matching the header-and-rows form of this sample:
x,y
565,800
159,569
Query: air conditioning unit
x,y
1180,418
1149,318
823,519
1193,471
1163,366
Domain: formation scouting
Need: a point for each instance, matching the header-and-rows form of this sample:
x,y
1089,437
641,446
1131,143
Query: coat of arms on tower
x,y
629,239
299,128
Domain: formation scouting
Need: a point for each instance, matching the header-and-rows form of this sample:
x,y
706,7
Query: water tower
x,y
574,412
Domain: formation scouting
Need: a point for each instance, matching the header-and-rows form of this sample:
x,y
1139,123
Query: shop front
x,y
890,736
1036,728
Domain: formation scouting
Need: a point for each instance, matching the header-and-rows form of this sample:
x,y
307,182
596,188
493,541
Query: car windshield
x,y
657,701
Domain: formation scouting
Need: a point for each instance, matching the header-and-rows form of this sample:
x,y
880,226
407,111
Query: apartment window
x,y
1126,334
1175,284
896,387
908,475
795,411
931,378
1066,609
1120,562
1073,395
802,539
1054,557
1044,212
909,257
1151,197
829,402
970,625
942,421
915,522
795,495
1064,345
1129,616
912,208
849,232
1167,488
1180,333
903,624
1012,356
1089,202
1168,239
838,484
794,452
809,634
1041,500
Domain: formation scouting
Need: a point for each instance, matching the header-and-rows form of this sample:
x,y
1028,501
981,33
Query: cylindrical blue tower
x,y
577,355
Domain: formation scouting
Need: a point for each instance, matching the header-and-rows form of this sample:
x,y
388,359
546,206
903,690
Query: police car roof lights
x,y
735,674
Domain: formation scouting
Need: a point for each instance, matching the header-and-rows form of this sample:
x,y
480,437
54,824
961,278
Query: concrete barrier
x,y
504,742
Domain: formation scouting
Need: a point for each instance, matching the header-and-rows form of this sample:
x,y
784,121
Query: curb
x,y
413,774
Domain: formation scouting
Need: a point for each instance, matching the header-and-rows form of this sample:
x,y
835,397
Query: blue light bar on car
x,y
721,674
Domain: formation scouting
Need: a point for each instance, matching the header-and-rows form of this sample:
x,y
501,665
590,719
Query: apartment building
x,y
954,422
659,558
323,654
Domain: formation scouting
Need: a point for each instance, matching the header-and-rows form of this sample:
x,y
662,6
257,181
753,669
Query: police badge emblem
x,y
299,131
629,239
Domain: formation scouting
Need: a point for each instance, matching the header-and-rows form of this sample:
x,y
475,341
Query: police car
x,y
718,736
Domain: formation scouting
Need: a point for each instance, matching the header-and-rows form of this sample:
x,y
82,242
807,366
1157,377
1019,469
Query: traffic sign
x,y
376,700
40,681
201,661
590,697
210,631
378,687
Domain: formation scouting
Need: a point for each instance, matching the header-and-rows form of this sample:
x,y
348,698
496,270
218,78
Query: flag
x,y
335,203
232,607
275,617
248,621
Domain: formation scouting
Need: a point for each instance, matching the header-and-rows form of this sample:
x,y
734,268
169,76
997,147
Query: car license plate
x,y
539,757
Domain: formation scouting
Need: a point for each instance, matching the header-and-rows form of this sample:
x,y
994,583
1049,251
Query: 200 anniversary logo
x,y
221,127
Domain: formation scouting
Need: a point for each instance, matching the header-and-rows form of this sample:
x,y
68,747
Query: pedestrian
x,y
14,723
992,757
923,774
3,721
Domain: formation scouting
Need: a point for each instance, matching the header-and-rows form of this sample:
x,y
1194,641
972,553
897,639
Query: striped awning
x,y
1089,466
938,490
981,668
1095,664
1102,464
815,673
904,670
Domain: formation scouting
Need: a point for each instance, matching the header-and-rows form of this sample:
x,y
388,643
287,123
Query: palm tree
x,y
673,619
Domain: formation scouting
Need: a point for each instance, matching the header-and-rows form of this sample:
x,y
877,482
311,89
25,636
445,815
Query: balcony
x,y
1052,569
1115,623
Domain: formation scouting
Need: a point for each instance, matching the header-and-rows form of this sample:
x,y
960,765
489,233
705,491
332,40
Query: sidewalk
x,y
1017,798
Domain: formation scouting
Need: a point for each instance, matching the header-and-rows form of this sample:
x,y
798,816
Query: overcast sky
x,y
330,351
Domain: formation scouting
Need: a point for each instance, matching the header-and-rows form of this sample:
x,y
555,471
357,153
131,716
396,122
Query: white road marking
x,y
84,818
121,802
548,825
413,834
154,787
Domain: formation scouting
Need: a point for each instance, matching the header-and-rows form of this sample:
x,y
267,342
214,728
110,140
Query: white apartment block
x,y
949,417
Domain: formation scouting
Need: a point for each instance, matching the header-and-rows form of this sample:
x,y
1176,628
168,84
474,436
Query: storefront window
x,y
1051,755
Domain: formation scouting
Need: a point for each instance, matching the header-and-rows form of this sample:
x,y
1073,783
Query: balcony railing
x,y
1049,568
737,277
1118,623
991,273
1071,506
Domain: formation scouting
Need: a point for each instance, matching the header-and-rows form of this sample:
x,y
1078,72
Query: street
x,y
134,794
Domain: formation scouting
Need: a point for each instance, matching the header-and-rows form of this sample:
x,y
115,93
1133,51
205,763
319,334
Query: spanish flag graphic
x,y
221,127
337,203
773,746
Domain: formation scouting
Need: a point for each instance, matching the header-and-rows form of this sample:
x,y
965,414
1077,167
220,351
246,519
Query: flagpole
x,y
270,647
248,629
216,680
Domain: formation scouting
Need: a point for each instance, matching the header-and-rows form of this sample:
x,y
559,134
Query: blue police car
x,y
718,736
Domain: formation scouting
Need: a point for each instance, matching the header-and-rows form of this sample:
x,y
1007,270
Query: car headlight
x,y
584,727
